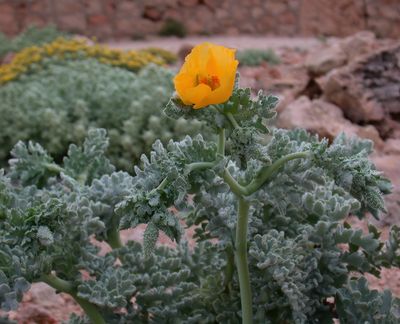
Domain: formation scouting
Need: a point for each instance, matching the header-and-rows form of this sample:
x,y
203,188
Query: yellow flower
x,y
71,49
208,75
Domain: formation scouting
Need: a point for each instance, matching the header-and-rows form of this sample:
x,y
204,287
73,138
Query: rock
x,y
128,8
326,17
358,44
212,4
8,25
321,61
369,89
69,7
188,3
75,22
45,295
35,314
392,146
41,304
97,20
91,7
279,79
257,12
383,17
371,133
275,7
389,128
311,115
325,119
343,89
37,20
152,13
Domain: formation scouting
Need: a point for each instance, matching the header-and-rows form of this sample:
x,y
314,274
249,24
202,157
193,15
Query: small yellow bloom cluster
x,y
67,49
167,56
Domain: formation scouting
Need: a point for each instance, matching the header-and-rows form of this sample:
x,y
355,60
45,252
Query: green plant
x,y
30,37
254,57
173,27
272,246
57,104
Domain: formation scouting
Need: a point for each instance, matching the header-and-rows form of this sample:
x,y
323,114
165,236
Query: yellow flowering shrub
x,y
167,56
67,49
208,75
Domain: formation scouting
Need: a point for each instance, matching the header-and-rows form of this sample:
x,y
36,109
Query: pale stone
x,y
326,59
358,44
325,119
367,89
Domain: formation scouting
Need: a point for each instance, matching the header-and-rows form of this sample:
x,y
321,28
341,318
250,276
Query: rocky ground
x,y
349,85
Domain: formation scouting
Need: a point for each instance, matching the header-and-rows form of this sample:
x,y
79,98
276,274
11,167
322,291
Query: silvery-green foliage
x,y
296,262
55,105
302,252
32,36
110,289
28,164
89,163
255,57
150,200
248,113
357,304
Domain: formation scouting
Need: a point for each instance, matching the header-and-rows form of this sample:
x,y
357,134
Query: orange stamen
x,y
211,81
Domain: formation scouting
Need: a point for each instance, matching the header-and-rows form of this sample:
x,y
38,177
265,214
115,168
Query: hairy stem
x,y
52,167
236,188
206,165
113,238
241,261
58,283
64,286
268,171
232,120
230,265
221,141
161,186
198,166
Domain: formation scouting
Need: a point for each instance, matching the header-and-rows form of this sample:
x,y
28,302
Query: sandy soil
x,y
240,42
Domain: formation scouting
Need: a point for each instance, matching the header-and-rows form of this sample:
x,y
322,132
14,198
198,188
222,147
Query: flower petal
x,y
182,82
197,94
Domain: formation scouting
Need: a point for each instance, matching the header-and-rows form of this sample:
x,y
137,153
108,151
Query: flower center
x,y
211,80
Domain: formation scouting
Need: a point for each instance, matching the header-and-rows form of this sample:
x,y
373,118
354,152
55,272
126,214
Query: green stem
x,y
232,120
198,166
233,184
230,265
113,238
64,286
82,178
268,171
241,261
221,141
58,283
206,165
52,167
161,186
